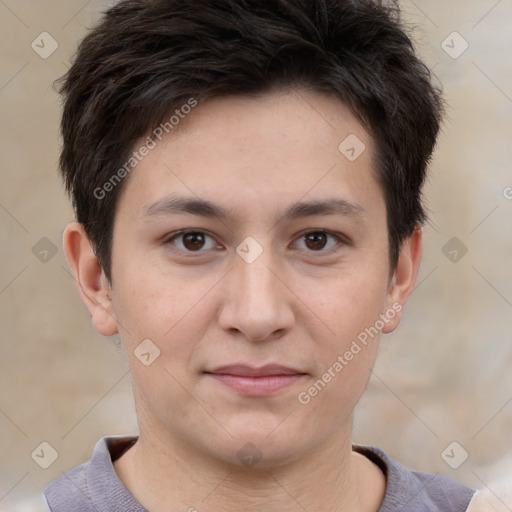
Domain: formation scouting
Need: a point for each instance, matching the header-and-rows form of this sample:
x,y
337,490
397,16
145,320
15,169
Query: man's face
x,y
258,286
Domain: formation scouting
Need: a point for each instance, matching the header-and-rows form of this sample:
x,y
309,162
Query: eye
x,y
317,241
191,241
197,241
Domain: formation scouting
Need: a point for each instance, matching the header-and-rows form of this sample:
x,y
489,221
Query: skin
x,y
299,304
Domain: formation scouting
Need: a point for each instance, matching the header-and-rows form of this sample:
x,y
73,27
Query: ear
x,y
404,277
90,279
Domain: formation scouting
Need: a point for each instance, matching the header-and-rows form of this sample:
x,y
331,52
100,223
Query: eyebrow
x,y
172,205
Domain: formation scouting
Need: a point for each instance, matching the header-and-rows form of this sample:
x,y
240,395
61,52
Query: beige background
x,y
444,376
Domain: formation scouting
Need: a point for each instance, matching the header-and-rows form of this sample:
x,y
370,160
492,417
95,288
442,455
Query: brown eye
x,y
318,241
191,241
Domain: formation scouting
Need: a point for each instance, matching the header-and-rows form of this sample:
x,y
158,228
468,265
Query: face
x,y
253,254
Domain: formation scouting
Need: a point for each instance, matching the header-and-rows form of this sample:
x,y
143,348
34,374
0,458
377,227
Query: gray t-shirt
x,y
95,486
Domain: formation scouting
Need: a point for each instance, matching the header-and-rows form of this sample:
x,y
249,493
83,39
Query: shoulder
x,y
70,492
94,485
417,490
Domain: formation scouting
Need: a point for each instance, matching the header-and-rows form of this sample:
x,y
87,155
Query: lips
x,y
254,381
242,370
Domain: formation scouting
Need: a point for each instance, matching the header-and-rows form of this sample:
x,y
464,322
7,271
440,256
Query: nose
x,y
258,301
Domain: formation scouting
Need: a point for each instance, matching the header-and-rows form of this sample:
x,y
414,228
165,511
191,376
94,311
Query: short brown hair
x,y
147,58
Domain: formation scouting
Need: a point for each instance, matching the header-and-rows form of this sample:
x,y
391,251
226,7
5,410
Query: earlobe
x,y
92,285
404,278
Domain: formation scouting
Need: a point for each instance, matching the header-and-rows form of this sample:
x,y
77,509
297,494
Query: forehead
x,y
243,152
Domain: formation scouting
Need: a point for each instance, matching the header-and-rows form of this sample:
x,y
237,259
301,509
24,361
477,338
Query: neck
x,y
159,471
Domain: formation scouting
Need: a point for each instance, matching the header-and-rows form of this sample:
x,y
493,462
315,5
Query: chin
x,y
254,447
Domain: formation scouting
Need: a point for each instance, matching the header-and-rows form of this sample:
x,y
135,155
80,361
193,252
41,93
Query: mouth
x,y
252,381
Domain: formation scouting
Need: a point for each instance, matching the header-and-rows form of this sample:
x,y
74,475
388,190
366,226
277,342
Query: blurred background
x,y
440,397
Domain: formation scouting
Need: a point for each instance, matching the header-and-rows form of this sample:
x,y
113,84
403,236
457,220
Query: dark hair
x,y
148,58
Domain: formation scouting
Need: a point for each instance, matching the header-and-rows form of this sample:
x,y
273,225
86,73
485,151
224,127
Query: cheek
x,y
347,355
175,315
351,308
351,303
151,302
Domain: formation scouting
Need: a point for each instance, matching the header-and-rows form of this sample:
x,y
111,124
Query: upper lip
x,y
253,371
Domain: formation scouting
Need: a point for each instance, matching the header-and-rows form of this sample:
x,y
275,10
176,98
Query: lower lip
x,y
257,386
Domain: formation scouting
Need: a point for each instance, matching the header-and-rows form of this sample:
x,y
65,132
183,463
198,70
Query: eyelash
x,y
339,238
